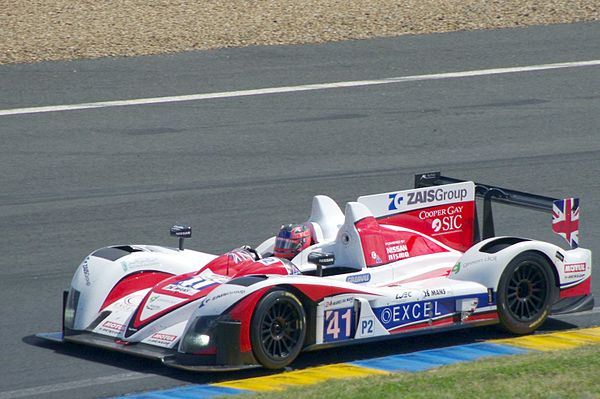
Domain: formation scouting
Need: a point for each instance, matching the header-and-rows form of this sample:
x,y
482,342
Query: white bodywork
x,y
374,301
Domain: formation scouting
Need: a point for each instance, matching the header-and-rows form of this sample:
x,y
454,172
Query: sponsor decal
x,y
150,305
136,264
418,199
375,257
396,250
539,320
575,276
575,267
190,286
339,324
456,268
437,213
466,265
565,220
112,327
157,302
439,194
436,195
240,256
404,295
86,271
162,338
334,302
395,201
359,278
401,314
219,296
292,269
435,292
269,261
445,220
447,224
129,303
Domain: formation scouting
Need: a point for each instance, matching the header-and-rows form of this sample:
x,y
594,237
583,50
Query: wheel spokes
x,y
526,291
280,330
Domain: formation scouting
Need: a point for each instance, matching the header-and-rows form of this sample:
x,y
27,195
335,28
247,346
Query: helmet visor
x,y
286,243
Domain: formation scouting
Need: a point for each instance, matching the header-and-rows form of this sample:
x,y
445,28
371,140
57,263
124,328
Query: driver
x,y
291,239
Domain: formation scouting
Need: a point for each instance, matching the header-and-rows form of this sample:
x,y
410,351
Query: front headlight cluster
x,y
200,335
71,309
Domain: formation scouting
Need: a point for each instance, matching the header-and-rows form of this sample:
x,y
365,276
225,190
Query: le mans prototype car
x,y
390,265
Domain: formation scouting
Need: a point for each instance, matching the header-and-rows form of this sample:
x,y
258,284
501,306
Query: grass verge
x,y
558,374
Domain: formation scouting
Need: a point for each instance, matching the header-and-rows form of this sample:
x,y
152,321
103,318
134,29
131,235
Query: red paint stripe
x,y
583,288
243,312
132,283
446,320
432,274
318,292
483,316
139,323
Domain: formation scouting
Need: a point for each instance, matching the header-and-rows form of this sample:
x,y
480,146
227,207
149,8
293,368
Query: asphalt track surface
x,y
235,168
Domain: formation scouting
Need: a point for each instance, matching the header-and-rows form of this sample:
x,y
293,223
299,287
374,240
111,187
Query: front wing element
x,y
168,357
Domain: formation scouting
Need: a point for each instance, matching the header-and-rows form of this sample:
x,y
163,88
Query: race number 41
x,y
339,324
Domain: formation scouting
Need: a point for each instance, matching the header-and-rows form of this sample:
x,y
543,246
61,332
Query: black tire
x,y
278,329
525,293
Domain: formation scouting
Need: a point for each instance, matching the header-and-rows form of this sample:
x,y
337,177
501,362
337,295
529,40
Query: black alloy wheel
x,y
525,293
278,329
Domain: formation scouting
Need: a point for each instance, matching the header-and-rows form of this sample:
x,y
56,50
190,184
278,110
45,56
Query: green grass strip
x,y
558,374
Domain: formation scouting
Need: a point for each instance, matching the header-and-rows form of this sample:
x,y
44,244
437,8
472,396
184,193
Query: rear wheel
x,y
525,293
278,329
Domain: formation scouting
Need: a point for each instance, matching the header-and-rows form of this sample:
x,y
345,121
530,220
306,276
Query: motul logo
x,y
164,337
575,268
113,326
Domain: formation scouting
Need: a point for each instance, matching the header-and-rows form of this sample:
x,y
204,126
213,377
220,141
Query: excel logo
x,y
395,201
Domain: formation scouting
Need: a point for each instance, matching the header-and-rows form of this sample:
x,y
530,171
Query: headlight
x,y
200,335
71,309
200,340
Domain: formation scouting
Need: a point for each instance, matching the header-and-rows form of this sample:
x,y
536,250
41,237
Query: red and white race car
x,y
390,265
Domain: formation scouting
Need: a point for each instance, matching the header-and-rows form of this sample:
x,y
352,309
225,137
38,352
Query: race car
x,y
390,265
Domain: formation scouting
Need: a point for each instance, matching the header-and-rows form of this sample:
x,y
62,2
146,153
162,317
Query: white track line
x,y
290,89
65,386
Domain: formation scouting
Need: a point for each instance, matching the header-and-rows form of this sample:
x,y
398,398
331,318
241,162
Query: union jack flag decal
x,y
565,220
239,256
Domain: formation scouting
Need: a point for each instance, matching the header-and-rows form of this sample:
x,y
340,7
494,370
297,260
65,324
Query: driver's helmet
x,y
291,239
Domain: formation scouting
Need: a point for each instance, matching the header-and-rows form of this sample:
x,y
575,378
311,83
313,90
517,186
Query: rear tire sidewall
x,y
264,306
511,321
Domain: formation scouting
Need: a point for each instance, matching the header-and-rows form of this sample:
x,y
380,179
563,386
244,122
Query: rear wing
x,y
565,212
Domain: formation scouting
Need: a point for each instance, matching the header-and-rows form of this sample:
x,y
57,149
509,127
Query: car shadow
x,y
340,354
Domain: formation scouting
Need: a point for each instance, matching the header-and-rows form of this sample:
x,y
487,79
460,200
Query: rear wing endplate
x,y
565,212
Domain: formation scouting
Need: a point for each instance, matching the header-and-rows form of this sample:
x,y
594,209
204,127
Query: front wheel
x,y
278,329
525,293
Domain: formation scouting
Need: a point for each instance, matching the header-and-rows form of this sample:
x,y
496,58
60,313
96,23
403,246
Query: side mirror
x,y
182,232
321,259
